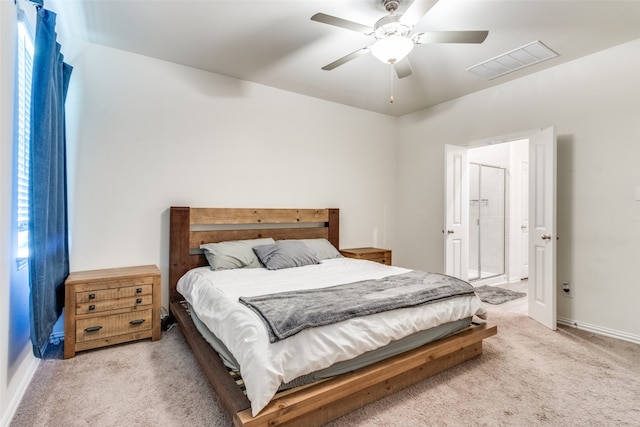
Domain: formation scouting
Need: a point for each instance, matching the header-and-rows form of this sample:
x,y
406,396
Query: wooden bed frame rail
x,y
319,403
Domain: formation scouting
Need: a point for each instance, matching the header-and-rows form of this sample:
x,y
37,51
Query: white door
x,y
456,227
542,227
524,226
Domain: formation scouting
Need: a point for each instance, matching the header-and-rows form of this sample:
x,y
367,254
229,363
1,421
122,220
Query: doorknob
x,y
545,237
450,231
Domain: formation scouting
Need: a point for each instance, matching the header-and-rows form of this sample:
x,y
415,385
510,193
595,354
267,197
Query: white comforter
x,y
264,365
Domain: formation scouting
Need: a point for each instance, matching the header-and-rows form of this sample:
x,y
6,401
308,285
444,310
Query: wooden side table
x,y
111,306
383,256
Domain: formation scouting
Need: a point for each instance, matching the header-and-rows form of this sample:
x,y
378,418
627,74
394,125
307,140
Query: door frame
x,y
548,318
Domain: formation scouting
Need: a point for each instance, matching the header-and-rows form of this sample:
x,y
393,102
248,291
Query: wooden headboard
x,y
191,227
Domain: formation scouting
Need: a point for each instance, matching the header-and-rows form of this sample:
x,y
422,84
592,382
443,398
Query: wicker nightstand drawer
x,y
111,306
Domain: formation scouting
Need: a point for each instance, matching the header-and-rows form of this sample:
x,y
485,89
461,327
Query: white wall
x,y
144,135
594,103
15,371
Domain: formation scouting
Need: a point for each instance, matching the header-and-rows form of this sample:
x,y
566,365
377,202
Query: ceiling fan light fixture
x,y
392,49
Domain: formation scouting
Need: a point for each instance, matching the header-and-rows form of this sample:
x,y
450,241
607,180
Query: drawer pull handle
x,y
93,329
137,322
92,296
92,307
138,290
138,300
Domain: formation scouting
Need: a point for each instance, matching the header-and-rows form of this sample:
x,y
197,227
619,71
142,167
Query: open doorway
x,y
498,213
531,222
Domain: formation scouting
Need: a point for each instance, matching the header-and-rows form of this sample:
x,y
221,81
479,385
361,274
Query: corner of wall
x,y
24,374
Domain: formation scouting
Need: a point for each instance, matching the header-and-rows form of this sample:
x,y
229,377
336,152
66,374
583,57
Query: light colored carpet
x,y
527,376
496,295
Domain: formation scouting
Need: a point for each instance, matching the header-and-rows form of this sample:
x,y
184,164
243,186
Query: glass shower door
x,y
486,221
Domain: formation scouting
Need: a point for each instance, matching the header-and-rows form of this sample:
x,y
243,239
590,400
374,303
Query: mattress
x,y
393,348
265,366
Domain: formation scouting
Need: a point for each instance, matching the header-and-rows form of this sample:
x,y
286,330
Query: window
x,y
24,66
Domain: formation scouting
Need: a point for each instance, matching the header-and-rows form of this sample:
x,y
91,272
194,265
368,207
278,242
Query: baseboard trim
x,y
599,330
12,407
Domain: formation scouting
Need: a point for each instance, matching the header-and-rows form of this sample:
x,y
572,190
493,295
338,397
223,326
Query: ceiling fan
x,y
394,40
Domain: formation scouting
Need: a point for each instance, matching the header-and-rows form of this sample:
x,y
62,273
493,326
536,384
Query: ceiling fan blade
x,y
450,37
342,23
403,68
345,59
416,11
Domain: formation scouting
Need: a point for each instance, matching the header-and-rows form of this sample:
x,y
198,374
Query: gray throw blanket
x,y
287,313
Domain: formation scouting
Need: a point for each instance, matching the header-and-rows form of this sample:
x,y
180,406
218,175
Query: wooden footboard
x,y
318,404
322,402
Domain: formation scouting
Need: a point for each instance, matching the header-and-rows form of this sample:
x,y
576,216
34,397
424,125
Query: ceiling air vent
x,y
516,59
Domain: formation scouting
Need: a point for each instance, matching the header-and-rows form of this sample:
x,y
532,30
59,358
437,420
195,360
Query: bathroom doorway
x,y
498,212
530,164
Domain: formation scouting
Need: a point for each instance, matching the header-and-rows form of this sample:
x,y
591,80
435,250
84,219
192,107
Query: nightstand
x,y
111,306
383,256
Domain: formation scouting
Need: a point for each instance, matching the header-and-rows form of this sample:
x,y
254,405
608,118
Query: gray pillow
x,y
285,254
234,253
321,248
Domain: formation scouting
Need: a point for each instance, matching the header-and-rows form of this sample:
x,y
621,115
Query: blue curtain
x,y
48,228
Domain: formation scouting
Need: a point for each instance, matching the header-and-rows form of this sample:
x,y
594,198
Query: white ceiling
x,y
276,44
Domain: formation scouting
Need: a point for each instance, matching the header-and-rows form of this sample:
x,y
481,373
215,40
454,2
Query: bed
x,y
323,400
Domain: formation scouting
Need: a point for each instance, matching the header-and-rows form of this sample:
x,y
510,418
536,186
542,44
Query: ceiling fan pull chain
x,y
391,97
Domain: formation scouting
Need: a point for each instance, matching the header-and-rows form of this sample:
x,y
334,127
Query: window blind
x,y
23,130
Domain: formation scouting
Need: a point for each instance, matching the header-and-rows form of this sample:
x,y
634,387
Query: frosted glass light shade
x,y
392,49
